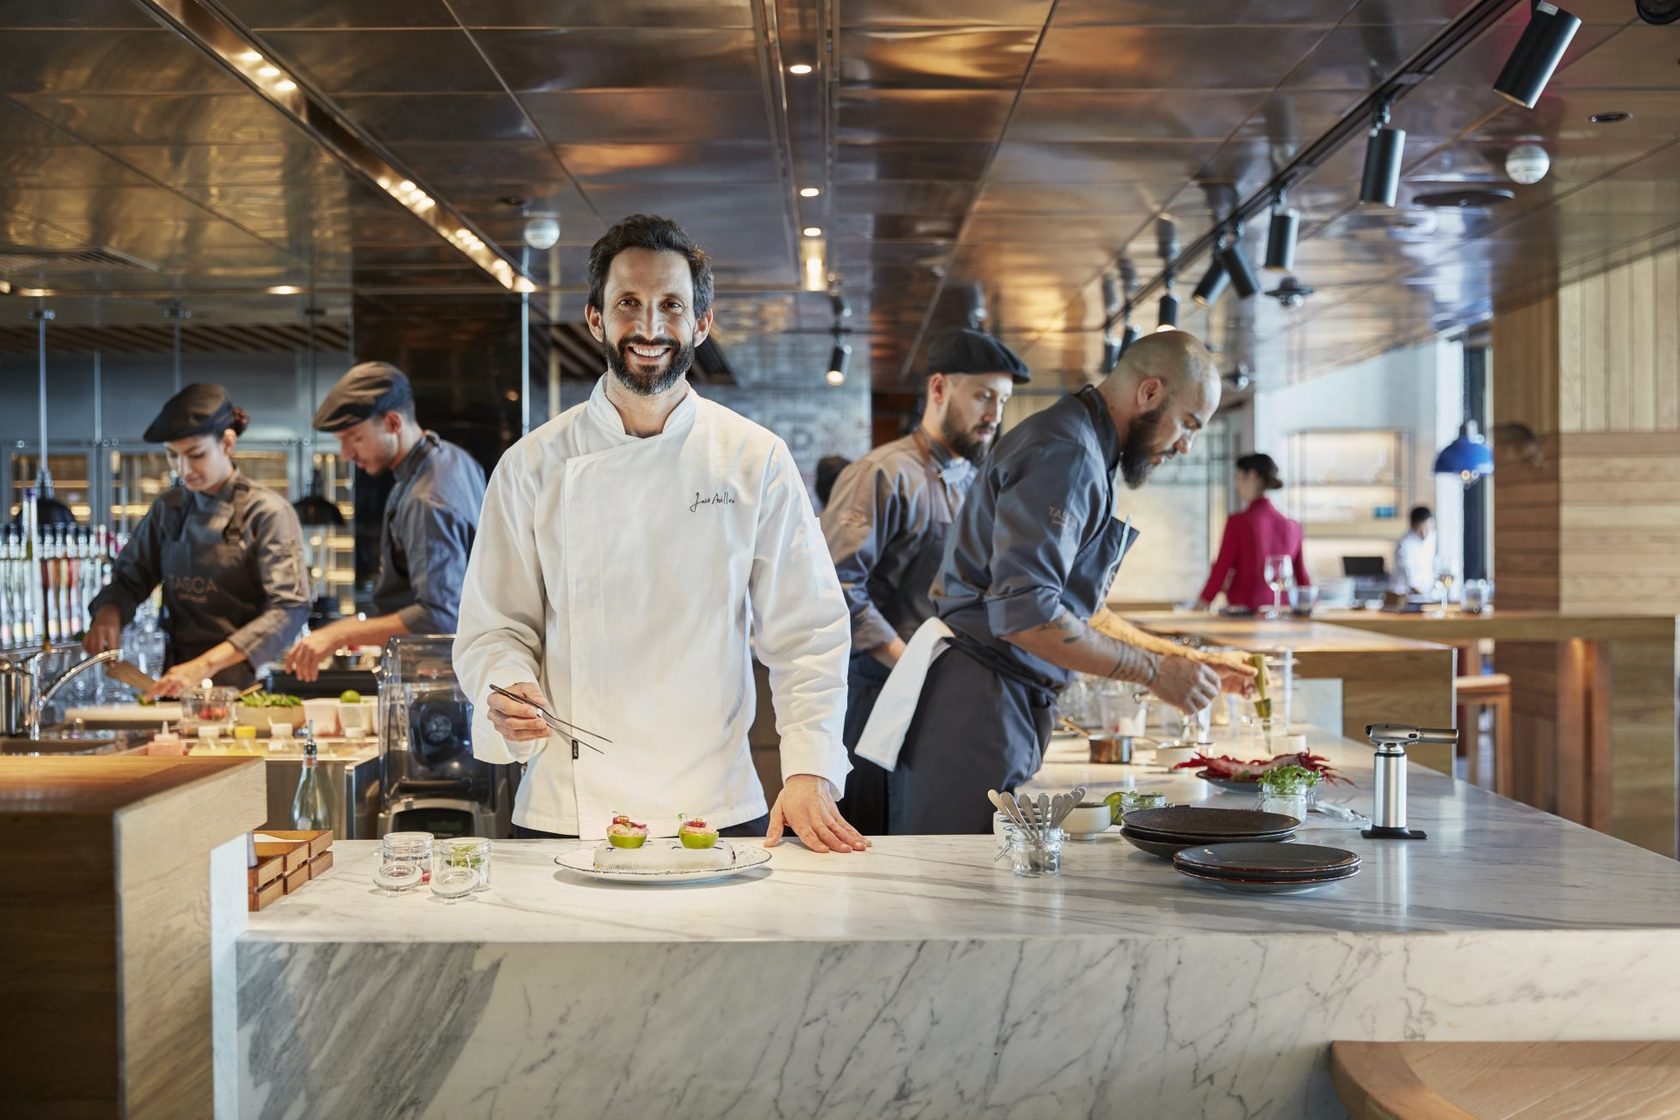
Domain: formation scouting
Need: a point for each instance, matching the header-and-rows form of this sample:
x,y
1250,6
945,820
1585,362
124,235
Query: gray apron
x,y
983,719
209,589
867,794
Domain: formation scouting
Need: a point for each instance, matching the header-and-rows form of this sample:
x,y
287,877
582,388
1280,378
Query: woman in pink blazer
x,y
1255,533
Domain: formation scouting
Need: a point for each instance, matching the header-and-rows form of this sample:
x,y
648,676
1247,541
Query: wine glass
x,y
1280,574
1446,574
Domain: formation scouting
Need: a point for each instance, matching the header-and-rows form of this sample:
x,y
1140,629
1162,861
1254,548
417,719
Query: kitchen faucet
x,y
43,697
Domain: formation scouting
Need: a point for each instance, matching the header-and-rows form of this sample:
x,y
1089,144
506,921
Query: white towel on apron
x,y
883,735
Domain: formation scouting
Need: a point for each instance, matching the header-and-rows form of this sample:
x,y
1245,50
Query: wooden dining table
x,y
1593,709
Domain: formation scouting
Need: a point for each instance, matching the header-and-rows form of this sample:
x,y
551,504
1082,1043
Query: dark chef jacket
x,y
231,567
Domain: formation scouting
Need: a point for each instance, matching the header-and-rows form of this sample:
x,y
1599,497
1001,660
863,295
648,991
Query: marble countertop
x,y
1489,864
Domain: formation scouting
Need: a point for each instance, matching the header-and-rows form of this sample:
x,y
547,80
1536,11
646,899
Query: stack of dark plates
x,y
1267,868
1163,832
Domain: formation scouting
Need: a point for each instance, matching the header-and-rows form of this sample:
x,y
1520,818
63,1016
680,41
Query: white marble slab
x,y
922,979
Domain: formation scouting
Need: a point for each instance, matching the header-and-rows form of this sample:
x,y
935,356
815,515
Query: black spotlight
x,y
1212,284
837,363
1536,54
1127,337
1380,185
1280,241
1111,353
1168,318
1236,264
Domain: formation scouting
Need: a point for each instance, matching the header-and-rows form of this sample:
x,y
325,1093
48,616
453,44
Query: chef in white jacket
x,y
633,554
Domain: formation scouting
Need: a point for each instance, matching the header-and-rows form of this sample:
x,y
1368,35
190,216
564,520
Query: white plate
x,y
582,861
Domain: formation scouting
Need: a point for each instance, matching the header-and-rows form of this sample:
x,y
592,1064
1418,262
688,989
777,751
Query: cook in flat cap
x,y
886,522
227,551
431,515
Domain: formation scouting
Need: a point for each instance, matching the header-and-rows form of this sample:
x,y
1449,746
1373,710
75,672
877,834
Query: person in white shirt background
x,y
633,554
1414,556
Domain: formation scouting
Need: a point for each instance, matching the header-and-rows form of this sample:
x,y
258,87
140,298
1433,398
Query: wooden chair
x,y
1470,1080
1491,691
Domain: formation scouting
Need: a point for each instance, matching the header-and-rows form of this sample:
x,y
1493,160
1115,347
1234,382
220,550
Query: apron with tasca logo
x,y
209,588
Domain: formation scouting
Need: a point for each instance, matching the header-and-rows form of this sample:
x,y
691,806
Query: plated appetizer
x,y
694,832
626,833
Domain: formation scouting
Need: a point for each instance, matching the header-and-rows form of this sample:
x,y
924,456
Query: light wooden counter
x,y
1593,709
106,928
1385,678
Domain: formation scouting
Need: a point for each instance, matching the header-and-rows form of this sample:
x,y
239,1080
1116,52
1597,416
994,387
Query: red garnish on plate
x,y
1236,770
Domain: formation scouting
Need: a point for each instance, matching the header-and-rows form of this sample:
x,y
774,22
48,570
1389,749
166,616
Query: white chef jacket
x,y
1414,564
626,576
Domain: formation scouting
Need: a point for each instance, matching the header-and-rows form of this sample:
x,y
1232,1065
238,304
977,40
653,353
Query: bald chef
x,y
634,553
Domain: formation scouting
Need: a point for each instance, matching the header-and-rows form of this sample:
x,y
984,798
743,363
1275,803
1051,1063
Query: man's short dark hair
x,y
1421,516
650,231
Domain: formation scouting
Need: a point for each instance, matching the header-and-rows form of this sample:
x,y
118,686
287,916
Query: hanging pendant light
x,y
175,313
313,509
48,509
1469,456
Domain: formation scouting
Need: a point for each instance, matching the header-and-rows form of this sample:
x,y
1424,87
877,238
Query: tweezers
x,y
555,723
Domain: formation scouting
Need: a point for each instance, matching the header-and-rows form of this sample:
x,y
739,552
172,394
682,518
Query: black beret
x,y
368,390
967,351
197,410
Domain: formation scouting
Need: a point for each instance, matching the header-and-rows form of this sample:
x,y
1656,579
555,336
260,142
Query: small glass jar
x,y
456,854
1033,853
405,861
1291,804
1266,737
1131,800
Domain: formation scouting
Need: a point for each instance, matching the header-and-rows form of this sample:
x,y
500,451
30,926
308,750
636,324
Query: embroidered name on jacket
x,y
721,498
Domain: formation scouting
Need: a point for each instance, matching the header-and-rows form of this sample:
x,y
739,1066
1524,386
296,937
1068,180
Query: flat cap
x,y
368,390
197,410
969,351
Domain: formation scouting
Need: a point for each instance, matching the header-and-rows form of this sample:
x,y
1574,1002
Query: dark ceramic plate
x,y
1266,886
1232,784
1206,838
1166,849
1267,861
1199,820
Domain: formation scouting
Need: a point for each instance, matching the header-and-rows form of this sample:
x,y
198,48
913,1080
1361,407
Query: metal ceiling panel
x,y
653,116
923,160
604,13
280,15
942,13
400,118
75,15
1147,57
654,164
118,61
920,114
1061,115
942,58
931,197
620,58
384,61
1124,162
1084,13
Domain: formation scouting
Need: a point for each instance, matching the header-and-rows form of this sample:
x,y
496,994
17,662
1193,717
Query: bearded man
x,y
634,553
1022,588
886,522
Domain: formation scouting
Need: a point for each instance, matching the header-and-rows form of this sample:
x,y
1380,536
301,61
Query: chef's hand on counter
x,y
105,632
1186,683
806,805
516,721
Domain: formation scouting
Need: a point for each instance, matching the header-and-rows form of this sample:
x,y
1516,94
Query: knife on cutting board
x,y
127,674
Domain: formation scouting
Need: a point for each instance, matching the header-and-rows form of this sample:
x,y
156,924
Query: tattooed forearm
x,y
1072,643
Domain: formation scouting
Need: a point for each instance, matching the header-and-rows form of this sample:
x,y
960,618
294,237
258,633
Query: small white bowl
x,y
1087,821
1170,756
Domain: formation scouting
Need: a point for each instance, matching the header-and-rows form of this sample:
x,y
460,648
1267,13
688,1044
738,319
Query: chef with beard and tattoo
x,y
1021,592
886,522
635,552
